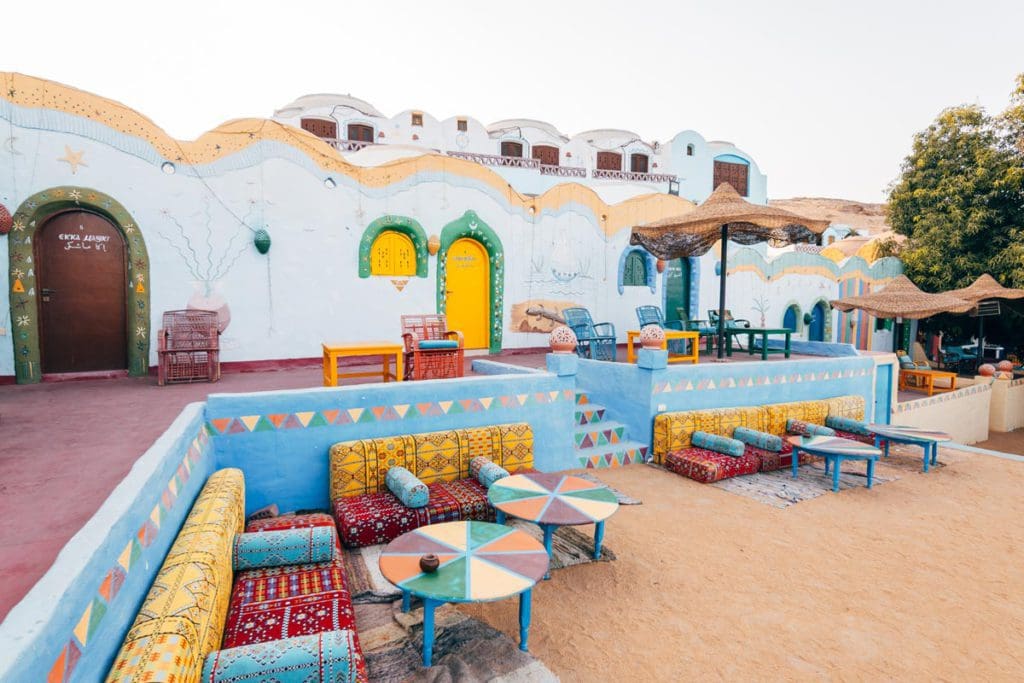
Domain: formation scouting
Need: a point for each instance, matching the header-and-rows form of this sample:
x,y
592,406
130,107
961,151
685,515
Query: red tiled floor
x,y
66,445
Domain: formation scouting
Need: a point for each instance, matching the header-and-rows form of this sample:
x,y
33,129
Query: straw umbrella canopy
x,y
985,288
901,298
724,216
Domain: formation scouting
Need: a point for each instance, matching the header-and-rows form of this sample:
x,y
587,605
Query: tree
x,y
960,201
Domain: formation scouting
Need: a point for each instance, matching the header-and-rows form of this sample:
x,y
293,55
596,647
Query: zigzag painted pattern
x,y
400,411
754,380
917,404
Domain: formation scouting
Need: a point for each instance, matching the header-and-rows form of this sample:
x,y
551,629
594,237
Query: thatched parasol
x,y
984,288
901,298
724,216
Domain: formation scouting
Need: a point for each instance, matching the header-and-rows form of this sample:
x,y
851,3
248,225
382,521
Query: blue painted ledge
x,y
809,348
491,367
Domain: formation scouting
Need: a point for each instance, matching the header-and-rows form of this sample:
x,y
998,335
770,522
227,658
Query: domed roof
x,y
328,100
505,124
604,133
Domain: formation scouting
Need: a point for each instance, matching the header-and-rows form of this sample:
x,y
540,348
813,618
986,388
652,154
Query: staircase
x,y
600,442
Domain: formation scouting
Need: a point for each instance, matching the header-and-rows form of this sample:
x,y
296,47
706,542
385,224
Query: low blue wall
x,y
71,624
280,440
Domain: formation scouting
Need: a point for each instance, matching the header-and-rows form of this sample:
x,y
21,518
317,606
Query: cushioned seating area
x,y
673,432
368,514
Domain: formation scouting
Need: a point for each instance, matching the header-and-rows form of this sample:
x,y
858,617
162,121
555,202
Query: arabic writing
x,y
78,241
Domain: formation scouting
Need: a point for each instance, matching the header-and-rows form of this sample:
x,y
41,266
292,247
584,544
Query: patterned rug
x,y
464,648
780,490
624,499
366,584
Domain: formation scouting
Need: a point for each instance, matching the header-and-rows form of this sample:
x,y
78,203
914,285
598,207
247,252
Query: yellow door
x,y
468,292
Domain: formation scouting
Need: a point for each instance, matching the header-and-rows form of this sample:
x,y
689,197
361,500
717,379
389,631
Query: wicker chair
x,y
595,340
432,351
188,347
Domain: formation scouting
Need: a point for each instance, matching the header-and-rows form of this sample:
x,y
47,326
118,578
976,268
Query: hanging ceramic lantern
x,y
433,244
262,241
6,222
660,265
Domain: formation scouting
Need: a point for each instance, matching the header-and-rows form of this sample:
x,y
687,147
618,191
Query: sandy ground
x,y
915,579
1005,442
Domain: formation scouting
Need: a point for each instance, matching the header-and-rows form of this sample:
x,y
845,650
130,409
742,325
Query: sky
x,y
825,95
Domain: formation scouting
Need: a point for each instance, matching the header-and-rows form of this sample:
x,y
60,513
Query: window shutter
x,y
321,128
634,272
546,154
638,163
609,161
392,253
511,149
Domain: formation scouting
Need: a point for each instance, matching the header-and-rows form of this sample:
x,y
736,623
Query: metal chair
x,y
730,323
651,315
594,340
701,327
432,351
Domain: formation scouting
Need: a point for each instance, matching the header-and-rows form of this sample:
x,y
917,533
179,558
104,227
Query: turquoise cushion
x,y
490,473
847,424
407,488
428,344
762,440
808,428
327,656
718,444
284,547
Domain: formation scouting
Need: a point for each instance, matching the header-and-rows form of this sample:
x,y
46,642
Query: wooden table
x,y
690,335
480,562
834,450
551,500
928,439
384,349
762,332
925,380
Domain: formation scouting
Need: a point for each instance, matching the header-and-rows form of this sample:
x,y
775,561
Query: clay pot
x,y
562,340
212,302
1004,366
652,337
660,265
429,563
433,244
987,370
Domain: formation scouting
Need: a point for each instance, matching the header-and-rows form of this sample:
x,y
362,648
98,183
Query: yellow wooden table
x,y
924,380
692,336
385,350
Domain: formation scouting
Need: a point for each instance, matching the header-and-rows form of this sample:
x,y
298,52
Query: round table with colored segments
x,y
834,450
479,562
554,500
928,439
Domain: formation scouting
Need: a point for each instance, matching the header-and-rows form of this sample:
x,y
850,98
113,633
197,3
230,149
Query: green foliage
x,y
960,201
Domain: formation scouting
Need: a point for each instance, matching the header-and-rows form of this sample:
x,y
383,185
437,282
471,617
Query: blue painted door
x,y
677,288
817,328
789,320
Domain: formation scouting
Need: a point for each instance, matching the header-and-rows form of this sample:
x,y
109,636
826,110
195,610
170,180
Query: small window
x,y
360,132
511,149
462,125
634,272
689,150
546,154
638,163
417,119
609,161
392,253
322,128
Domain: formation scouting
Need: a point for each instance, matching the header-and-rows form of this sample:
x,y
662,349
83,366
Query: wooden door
x,y
82,280
468,292
817,327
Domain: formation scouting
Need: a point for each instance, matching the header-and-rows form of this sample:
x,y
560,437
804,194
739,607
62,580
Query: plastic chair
x,y
432,351
594,340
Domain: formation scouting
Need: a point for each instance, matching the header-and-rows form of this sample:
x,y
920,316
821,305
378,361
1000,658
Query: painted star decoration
x,y
22,320
73,159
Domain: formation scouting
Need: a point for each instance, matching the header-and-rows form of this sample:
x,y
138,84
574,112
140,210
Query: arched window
x,y
638,163
360,132
634,273
511,149
689,150
393,254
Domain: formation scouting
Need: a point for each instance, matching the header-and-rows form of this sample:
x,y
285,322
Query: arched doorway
x,y
677,289
819,317
467,293
791,320
82,280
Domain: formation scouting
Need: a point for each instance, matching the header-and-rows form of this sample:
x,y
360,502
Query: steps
x,y
600,441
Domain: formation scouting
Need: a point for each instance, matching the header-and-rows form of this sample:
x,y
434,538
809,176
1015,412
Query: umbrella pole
x,y
721,292
981,341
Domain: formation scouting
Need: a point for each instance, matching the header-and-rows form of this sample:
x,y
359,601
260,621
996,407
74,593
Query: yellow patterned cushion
x,y
672,431
182,617
358,467
778,414
846,406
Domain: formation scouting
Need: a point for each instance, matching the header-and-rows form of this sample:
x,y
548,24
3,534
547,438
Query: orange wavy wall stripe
x,y
236,135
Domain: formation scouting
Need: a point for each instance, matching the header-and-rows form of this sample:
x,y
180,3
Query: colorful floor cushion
x,y
863,438
290,522
717,443
283,547
407,488
777,460
261,585
259,622
375,518
762,440
707,466
847,424
330,656
808,428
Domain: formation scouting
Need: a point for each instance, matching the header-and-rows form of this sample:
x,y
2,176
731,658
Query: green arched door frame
x,y
32,215
470,225
403,224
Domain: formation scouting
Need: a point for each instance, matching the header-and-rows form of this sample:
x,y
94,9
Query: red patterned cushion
x,y
770,460
375,518
290,522
259,622
863,438
707,466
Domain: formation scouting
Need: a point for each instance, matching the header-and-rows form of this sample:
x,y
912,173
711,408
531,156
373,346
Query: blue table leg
x,y
499,516
827,461
927,455
524,618
598,538
428,630
887,448
838,464
406,599
549,530
871,471
764,346
796,461
935,452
